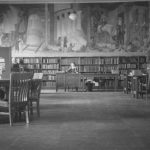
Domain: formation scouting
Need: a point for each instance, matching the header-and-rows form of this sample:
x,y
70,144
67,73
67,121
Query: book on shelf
x,y
68,61
50,60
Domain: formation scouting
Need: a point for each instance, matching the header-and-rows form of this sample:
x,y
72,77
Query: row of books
x,y
112,60
65,68
128,66
123,72
48,84
125,60
102,69
68,61
31,60
142,66
91,61
33,66
50,60
142,59
50,66
87,60
49,77
101,60
49,71
89,69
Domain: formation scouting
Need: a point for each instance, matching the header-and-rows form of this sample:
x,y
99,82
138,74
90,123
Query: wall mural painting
x,y
116,36
12,27
102,33
70,35
118,27
21,28
138,30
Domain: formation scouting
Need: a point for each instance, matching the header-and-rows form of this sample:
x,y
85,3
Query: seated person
x,y
15,66
72,68
22,66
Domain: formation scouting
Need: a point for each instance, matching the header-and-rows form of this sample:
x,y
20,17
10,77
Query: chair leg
x,y
31,108
27,114
38,109
11,119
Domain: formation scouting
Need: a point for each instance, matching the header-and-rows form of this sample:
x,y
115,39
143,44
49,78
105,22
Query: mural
x,y
138,29
108,27
70,34
131,34
103,33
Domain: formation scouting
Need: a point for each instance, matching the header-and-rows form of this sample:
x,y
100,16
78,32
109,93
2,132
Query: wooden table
x,y
127,84
109,81
139,85
69,81
77,80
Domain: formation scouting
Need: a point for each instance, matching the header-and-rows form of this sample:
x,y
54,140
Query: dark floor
x,y
83,121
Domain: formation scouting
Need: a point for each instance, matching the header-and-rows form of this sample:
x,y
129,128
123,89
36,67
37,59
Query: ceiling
x,y
63,1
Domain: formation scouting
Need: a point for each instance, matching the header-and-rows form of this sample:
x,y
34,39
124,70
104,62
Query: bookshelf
x,y
65,62
5,62
126,64
49,67
86,64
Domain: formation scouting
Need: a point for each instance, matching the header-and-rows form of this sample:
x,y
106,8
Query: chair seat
x,y
33,98
20,105
3,103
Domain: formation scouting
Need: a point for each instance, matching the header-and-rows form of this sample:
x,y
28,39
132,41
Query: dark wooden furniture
x,y
34,95
106,81
69,81
139,85
73,80
86,63
4,86
18,96
127,81
60,80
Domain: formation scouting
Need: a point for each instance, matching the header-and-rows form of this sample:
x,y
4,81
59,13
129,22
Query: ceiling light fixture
x,y
73,16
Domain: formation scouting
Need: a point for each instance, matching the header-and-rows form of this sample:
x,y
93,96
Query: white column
x,y
78,20
63,24
46,24
60,24
58,30
69,25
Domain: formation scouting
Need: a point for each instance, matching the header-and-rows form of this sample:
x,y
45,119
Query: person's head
x,y
72,65
13,60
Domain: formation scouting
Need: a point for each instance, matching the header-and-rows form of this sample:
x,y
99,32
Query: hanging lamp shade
x,y
73,16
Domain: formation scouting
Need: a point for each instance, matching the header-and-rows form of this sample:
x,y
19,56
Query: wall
x,y
102,28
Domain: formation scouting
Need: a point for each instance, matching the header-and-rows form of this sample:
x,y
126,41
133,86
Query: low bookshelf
x,y
87,63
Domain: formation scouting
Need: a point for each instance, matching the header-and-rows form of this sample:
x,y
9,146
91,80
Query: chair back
x,y
35,88
19,89
36,85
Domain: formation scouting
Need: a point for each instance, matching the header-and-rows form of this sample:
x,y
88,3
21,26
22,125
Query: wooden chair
x,y
140,86
35,91
18,96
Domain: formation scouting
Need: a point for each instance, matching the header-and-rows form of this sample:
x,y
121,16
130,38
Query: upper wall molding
x,y
63,1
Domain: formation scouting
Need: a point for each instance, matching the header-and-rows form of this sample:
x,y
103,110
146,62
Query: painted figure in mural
x,y
35,30
120,32
102,21
65,42
59,41
105,34
20,29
